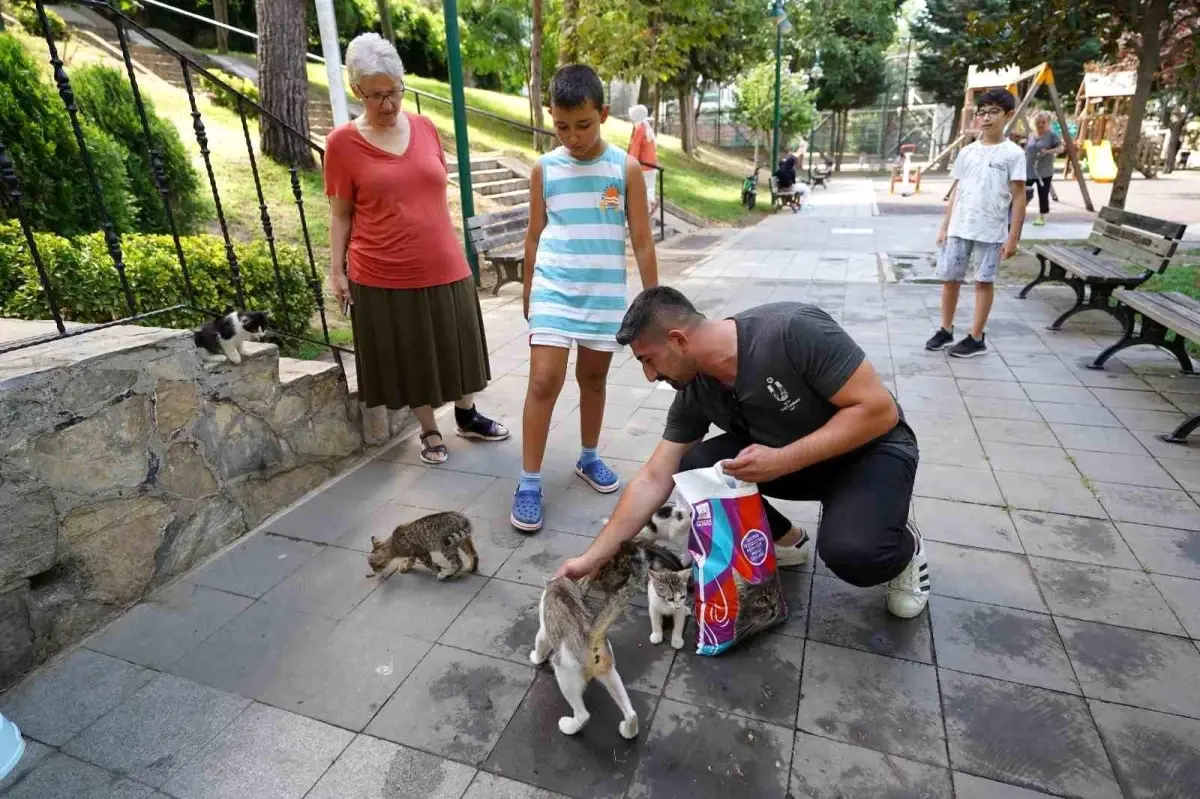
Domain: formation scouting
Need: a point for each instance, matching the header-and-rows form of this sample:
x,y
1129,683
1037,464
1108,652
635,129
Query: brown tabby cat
x,y
445,533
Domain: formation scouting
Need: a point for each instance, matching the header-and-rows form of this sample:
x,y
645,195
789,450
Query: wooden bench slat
x,y
515,225
476,222
1170,309
494,242
1171,230
1156,245
1083,263
1126,252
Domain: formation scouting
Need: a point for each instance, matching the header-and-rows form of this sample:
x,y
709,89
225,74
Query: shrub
x,y
37,132
27,16
105,97
222,97
87,287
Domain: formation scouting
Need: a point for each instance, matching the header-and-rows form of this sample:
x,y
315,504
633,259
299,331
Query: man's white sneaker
x,y
794,555
908,593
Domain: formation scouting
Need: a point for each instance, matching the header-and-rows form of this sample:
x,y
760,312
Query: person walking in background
x,y
580,198
1041,148
989,182
418,330
645,151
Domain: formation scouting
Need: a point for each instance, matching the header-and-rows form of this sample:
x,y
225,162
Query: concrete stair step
x,y
496,187
511,198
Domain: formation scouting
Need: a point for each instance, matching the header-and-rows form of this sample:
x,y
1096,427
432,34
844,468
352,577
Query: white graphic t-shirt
x,y
985,173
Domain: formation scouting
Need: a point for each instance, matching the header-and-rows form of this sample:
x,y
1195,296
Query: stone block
x,y
85,391
236,443
116,543
329,433
200,528
260,497
29,535
176,404
16,636
117,437
184,472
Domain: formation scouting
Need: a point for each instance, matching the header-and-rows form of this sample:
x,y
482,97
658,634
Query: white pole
x,y
333,61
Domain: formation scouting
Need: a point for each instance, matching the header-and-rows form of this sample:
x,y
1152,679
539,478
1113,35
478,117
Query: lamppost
x,y
782,26
814,74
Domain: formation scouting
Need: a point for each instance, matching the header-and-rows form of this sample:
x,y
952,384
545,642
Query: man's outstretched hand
x,y
577,568
756,464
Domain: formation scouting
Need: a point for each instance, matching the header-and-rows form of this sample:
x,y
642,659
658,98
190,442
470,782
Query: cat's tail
x,y
468,546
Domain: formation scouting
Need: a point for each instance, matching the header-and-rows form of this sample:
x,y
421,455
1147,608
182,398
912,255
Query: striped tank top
x,y
578,286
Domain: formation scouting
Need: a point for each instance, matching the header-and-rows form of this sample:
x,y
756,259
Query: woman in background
x,y
1041,148
643,148
418,331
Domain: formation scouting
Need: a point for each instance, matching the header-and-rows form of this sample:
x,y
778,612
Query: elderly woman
x,y
418,332
1041,148
643,148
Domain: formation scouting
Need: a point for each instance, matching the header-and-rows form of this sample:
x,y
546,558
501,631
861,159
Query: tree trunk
x,y
535,72
385,20
658,106
283,81
687,121
568,41
221,14
644,93
699,105
1151,35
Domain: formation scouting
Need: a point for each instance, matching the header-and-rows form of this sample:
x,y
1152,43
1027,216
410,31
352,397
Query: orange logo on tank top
x,y
611,197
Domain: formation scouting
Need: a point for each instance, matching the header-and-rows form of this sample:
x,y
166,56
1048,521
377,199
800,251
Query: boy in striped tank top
x,y
581,197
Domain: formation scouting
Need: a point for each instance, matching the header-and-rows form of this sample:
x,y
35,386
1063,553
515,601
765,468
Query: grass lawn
x,y
708,184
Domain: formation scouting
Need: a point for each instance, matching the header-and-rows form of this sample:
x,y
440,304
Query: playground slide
x,y
1101,167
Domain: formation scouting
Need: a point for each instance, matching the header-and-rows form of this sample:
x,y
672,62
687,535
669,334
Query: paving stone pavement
x,y
1059,656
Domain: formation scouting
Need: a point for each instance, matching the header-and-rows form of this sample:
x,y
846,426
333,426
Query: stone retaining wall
x,y
124,462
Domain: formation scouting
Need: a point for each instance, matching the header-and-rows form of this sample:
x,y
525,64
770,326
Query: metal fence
x,y
133,310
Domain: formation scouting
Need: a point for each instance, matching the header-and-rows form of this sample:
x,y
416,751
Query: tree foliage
x,y
495,48
755,102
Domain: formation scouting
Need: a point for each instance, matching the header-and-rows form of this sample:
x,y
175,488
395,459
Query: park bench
x,y
820,176
499,239
1098,269
788,197
1160,313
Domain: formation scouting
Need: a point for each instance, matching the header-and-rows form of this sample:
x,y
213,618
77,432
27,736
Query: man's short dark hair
x,y
576,85
657,310
998,97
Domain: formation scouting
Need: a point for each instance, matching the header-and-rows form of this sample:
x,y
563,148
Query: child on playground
x,y
982,223
580,198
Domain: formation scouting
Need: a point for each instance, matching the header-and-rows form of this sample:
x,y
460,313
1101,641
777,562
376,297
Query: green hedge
x,y
37,132
88,290
220,96
105,99
26,14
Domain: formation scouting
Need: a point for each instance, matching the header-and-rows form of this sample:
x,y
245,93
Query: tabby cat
x,y
445,534
668,596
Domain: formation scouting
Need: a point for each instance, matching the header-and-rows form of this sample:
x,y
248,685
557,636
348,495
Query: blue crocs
x,y
598,476
526,513
12,747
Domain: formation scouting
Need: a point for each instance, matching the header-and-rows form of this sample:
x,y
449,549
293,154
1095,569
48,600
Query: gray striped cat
x,y
445,534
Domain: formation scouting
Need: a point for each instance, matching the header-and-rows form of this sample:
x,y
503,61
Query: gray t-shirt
x,y
1039,162
792,358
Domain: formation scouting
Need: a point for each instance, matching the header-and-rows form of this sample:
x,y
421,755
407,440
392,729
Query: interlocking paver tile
x,y
1023,735
1097,439
455,704
983,526
596,761
255,566
541,555
967,786
1026,459
957,483
1183,595
1093,415
825,769
1099,593
265,752
383,479
1155,506
444,490
759,678
847,693
953,452
35,753
1015,431
158,730
999,578
1185,472
168,624
705,754
417,604
998,389
501,621
326,517
489,786
1134,470
61,775
1138,668
1164,550
1050,494
1156,755
331,584
72,694
1077,538
999,642
371,768
858,618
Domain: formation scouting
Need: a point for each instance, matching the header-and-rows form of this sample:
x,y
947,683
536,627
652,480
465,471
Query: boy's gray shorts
x,y
958,253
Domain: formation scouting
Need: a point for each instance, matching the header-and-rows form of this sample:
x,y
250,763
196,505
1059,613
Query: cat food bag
x,y
733,559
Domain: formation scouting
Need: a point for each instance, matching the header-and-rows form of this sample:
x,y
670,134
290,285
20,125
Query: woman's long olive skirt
x,y
415,347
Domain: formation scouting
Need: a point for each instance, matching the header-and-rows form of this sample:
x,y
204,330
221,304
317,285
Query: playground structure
x,y
1102,115
1024,86
906,173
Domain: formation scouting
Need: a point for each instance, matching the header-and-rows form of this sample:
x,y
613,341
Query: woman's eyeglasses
x,y
377,98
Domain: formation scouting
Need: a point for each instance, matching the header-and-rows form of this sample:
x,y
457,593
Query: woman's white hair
x,y
1042,115
639,115
371,54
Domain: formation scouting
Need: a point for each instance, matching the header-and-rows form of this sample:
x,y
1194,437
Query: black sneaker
x,y
969,347
940,339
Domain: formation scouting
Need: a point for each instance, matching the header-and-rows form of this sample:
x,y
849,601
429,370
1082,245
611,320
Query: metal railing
x,y
13,199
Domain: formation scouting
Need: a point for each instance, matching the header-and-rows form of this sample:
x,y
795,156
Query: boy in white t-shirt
x,y
983,220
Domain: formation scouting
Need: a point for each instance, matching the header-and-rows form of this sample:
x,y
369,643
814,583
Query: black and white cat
x,y
225,336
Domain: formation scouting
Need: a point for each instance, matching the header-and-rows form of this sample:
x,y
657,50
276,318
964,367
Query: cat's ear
x,y
374,542
685,573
